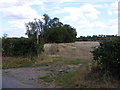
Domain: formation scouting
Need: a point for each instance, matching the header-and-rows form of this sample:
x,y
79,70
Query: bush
x,y
107,56
20,47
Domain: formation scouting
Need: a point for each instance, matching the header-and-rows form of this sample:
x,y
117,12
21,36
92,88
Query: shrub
x,y
107,56
20,47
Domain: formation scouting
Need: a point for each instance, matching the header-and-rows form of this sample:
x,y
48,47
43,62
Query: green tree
x,y
34,31
52,30
56,32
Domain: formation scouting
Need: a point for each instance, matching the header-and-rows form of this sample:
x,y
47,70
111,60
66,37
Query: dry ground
x,y
77,49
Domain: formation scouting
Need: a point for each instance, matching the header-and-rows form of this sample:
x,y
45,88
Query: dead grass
x,y
96,79
77,49
16,62
66,53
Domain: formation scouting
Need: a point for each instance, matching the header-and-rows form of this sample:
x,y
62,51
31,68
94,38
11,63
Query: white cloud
x,y
83,18
110,12
7,3
10,3
17,27
20,12
100,25
97,27
86,19
113,8
88,25
75,14
20,24
84,23
16,13
115,4
20,9
85,1
90,11
113,24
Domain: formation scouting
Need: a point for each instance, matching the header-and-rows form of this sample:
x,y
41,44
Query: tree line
x,y
95,37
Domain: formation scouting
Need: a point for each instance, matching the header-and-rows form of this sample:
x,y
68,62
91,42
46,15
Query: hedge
x,y
20,47
107,56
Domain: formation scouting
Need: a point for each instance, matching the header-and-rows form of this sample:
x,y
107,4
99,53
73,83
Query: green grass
x,y
66,80
73,79
47,79
17,62
59,60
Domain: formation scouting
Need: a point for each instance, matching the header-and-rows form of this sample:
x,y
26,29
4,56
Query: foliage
x,y
52,30
20,47
57,32
34,28
62,34
107,56
95,37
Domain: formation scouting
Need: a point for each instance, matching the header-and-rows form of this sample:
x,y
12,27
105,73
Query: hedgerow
x,y
20,47
107,56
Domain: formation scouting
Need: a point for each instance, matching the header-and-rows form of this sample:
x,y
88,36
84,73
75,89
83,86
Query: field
x,y
68,65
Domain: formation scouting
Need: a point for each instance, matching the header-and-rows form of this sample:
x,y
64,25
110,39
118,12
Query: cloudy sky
x,y
91,17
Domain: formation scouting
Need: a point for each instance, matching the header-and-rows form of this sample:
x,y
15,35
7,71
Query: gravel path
x,y
10,82
23,77
28,77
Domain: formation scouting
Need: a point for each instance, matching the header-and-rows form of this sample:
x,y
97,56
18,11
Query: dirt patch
x,y
77,49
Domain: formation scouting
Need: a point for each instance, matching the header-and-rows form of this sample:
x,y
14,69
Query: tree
x,y
46,19
56,32
34,31
52,30
5,35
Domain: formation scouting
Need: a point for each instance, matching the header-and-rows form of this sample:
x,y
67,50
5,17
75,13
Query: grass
x,y
47,79
60,60
16,62
73,79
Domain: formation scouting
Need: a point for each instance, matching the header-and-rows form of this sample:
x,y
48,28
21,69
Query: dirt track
x,y
23,77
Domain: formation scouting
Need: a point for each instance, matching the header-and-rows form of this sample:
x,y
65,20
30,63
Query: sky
x,y
89,17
